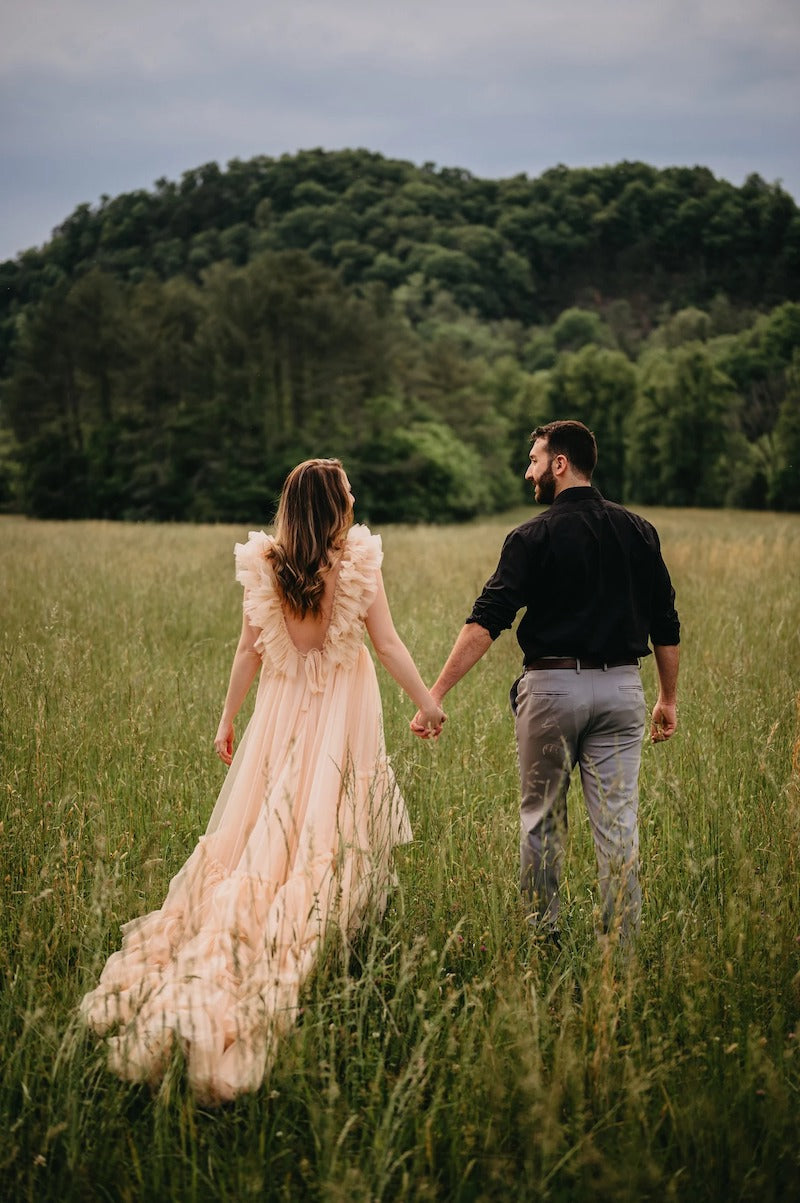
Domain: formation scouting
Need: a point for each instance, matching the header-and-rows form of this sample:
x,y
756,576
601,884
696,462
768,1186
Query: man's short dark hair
x,y
572,439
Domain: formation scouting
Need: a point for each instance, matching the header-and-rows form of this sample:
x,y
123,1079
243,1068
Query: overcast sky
x,y
103,96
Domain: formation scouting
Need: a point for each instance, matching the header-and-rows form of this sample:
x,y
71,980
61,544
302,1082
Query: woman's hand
x,y
427,723
224,740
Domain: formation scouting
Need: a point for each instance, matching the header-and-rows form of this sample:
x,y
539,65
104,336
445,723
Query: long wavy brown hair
x,y
314,515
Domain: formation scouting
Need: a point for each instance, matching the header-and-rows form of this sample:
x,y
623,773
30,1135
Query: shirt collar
x,y
577,493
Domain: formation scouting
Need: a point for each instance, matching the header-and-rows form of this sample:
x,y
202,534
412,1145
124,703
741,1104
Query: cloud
x,y
78,37
110,96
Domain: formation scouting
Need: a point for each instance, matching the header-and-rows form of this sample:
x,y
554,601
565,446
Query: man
x,y
595,588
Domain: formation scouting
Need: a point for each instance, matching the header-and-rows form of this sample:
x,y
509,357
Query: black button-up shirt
x,y
591,578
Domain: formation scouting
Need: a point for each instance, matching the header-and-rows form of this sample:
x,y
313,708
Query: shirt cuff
x,y
493,630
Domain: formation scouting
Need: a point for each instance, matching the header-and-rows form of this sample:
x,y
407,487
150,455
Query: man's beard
x,y
545,491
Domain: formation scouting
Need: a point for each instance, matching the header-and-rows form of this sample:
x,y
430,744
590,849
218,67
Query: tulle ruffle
x,y
219,968
355,592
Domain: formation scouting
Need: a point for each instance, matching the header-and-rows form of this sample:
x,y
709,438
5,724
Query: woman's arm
x,y
246,663
396,659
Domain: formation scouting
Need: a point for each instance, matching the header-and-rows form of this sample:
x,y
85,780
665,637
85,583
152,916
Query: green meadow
x,y
445,1056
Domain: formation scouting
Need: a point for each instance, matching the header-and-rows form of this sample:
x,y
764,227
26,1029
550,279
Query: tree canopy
x,y
170,353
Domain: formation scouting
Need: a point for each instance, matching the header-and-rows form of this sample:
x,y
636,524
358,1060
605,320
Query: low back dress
x,y
298,844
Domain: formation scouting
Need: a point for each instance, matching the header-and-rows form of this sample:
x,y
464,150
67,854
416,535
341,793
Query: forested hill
x,y
517,248
170,352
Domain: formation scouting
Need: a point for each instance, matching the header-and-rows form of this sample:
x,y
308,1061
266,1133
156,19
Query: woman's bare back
x,y
308,633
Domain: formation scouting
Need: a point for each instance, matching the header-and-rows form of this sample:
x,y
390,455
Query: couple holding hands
x,y
300,840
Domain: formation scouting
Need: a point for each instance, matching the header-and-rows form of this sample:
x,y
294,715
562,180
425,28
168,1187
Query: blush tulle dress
x,y
298,847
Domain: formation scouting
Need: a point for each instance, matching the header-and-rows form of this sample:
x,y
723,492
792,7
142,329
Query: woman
x,y
299,842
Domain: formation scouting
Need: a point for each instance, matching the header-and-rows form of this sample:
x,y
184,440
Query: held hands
x,y
427,723
663,722
223,742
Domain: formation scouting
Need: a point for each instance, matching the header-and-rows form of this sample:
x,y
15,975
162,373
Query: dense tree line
x,y
169,354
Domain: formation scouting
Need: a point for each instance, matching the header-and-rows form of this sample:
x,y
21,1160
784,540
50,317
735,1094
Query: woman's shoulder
x,y
363,546
358,575
356,589
251,557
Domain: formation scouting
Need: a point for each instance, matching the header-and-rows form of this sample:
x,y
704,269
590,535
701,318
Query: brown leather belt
x,y
576,664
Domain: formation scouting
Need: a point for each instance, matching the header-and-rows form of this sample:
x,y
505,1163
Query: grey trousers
x,y
594,718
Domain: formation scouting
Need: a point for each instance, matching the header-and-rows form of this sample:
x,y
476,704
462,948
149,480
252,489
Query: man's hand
x,y
428,724
663,722
664,719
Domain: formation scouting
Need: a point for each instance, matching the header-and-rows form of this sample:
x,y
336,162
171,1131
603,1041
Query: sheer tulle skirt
x,y
298,846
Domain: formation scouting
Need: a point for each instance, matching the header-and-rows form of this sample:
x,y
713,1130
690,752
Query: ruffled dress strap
x,y
262,603
355,592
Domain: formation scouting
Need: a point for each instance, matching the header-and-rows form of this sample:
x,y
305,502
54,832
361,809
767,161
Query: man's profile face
x,y
540,473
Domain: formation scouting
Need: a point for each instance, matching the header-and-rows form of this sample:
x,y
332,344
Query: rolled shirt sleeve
x,y
665,627
507,589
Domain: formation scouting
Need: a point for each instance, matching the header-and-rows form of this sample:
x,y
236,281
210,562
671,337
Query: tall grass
x,y
445,1056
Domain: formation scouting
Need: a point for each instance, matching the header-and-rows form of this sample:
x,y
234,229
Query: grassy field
x,y
446,1059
